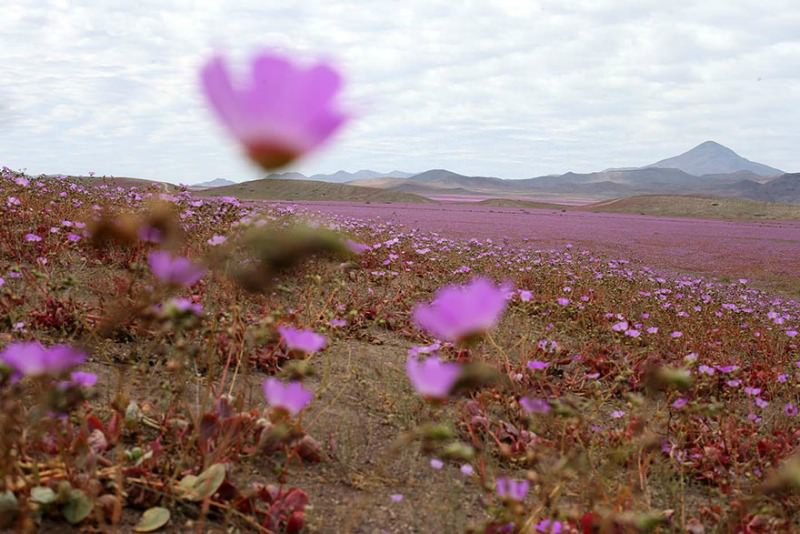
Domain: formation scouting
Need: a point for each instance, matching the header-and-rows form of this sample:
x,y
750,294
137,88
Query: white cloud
x,y
505,88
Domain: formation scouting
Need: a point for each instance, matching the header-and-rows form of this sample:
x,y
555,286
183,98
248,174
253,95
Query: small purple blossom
x,y
511,489
533,405
466,470
752,391
538,365
790,409
216,240
679,403
617,414
32,359
432,378
178,271
305,341
292,396
548,526
33,238
436,464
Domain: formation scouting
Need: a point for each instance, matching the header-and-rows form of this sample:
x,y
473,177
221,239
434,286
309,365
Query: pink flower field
x,y
767,252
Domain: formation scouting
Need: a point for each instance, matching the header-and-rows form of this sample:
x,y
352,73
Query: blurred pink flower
x,y
460,312
292,397
32,359
178,271
281,112
306,341
512,489
432,378
534,405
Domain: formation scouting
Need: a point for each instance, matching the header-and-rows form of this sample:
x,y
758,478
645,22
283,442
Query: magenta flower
x,y
511,489
306,341
432,378
460,312
547,526
291,397
537,365
281,112
679,403
525,295
32,359
790,409
534,405
32,238
177,271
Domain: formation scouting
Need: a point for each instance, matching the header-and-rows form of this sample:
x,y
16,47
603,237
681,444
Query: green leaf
x,y
153,519
43,495
78,507
205,484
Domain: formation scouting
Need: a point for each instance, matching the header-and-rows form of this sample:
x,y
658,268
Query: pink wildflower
x,y
282,112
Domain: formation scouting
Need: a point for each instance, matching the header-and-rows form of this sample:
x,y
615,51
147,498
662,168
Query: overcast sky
x,y
501,88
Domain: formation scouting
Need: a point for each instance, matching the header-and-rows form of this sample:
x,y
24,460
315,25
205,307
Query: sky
x,y
505,88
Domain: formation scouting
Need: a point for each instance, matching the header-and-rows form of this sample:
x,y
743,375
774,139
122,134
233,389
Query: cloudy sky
x,y
502,88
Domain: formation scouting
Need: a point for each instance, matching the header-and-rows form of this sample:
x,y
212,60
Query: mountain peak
x,y
710,157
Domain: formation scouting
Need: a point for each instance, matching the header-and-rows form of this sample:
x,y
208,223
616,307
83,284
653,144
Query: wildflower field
x,y
175,363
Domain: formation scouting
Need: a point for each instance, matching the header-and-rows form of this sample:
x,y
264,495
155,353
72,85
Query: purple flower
x,y
217,240
617,414
436,463
761,403
80,379
679,403
563,301
466,470
396,497
676,334
459,312
184,305
548,526
292,397
337,323
306,341
432,378
150,234
281,112
537,365
83,379
706,370
620,326
511,489
534,405
790,409
32,359
32,238
525,295
752,391
355,247
178,271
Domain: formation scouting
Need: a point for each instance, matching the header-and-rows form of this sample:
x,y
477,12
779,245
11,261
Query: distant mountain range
x,y
707,169
216,182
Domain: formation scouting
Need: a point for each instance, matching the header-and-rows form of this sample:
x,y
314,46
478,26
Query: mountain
x,y
341,177
286,176
216,182
712,158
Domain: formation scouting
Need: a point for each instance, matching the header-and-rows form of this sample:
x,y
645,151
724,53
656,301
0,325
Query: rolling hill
x,y
700,207
282,189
